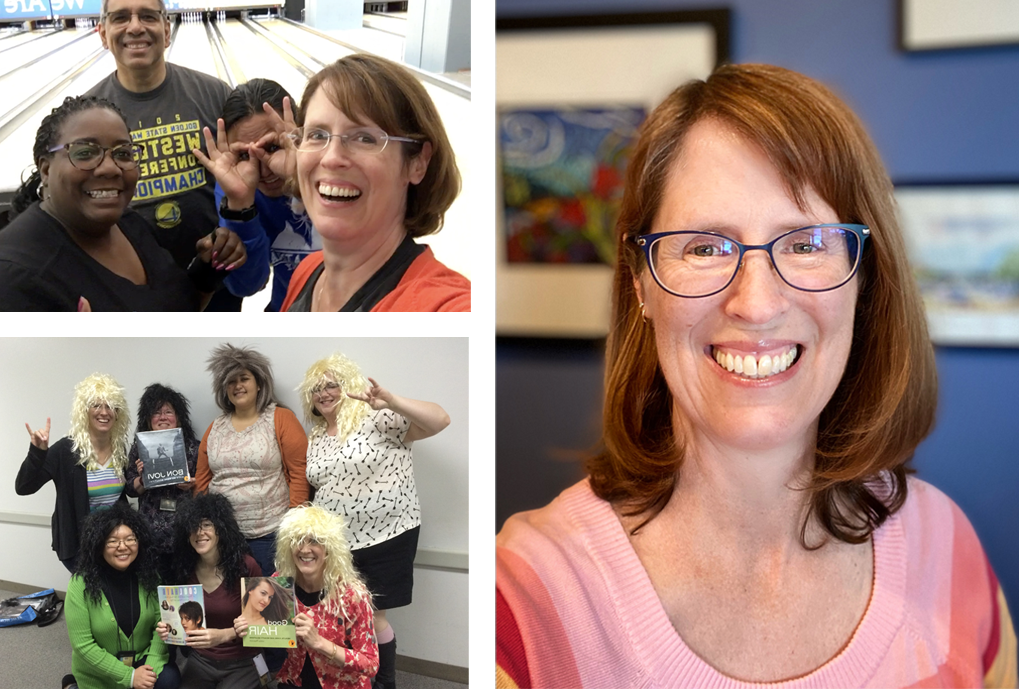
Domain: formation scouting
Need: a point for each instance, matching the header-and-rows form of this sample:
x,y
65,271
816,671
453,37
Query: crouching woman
x,y
336,646
112,607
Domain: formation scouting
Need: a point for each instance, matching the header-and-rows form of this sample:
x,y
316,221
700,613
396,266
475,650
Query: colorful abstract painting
x,y
562,177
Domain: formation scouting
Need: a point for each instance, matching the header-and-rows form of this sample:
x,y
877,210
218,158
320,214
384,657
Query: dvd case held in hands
x,y
269,606
183,608
164,460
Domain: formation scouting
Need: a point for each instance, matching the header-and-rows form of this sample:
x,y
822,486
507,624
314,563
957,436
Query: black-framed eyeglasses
x,y
123,17
86,155
817,258
360,140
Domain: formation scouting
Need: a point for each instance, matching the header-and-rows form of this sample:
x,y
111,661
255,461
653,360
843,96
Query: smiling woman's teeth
x,y
750,366
345,193
103,193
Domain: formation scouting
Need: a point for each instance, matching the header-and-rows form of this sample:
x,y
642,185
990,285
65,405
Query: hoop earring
x,y
643,314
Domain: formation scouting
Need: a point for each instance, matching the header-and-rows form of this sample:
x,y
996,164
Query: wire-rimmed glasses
x,y
87,155
114,543
817,258
326,388
370,140
123,17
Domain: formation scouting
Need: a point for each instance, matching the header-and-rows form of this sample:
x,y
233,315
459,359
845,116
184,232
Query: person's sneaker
x,y
68,682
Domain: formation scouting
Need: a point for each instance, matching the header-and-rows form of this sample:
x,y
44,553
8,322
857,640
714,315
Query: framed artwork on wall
x,y
949,24
963,243
571,92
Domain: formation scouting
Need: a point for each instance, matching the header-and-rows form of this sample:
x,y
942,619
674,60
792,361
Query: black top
x,y
174,192
378,286
121,591
43,269
59,464
309,680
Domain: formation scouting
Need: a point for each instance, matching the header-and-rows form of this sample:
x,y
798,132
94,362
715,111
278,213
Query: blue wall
x,y
944,116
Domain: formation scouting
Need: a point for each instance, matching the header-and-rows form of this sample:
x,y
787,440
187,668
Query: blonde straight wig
x,y
338,369
97,389
310,522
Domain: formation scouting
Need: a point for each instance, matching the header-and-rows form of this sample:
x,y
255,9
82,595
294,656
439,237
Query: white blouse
x,y
368,480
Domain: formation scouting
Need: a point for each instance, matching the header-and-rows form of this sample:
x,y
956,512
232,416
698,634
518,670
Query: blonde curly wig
x,y
338,369
97,389
311,522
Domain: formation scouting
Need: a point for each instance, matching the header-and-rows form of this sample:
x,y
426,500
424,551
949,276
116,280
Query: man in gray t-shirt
x,y
166,107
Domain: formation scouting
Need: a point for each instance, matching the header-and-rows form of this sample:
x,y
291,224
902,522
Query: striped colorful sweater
x,y
575,608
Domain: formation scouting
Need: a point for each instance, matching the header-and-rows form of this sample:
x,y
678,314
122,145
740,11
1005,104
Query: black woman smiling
x,y
75,246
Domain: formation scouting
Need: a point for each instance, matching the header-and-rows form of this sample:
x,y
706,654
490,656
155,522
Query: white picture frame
x,y
963,243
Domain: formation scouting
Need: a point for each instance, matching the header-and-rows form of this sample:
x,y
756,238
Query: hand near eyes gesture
x,y
376,396
41,437
276,149
232,165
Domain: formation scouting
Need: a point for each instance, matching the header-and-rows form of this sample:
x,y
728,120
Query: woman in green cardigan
x,y
112,606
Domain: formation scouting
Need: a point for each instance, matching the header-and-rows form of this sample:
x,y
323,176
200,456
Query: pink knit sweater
x,y
576,608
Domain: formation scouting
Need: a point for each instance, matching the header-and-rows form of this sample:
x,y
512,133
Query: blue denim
x,y
263,549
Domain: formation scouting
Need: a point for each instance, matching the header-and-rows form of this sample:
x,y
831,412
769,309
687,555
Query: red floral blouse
x,y
356,635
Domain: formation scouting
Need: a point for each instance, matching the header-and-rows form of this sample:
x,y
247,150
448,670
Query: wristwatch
x,y
244,215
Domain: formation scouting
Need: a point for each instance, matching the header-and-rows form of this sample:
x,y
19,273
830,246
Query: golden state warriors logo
x,y
168,214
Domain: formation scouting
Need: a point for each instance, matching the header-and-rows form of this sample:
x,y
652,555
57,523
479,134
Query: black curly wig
x,y
232,544
92,565
154,397
46,138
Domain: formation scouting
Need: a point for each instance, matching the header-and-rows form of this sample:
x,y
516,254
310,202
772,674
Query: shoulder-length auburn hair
x,y
368,87
883,406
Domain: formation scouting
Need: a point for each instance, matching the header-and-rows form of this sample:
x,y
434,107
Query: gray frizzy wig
x,y
226,361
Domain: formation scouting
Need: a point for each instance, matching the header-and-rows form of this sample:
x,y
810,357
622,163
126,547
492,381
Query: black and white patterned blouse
x,y
368,480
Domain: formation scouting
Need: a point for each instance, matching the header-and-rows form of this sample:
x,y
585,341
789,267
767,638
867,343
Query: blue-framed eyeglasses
x,y
817,258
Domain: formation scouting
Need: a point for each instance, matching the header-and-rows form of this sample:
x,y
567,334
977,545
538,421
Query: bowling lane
x,y
15,40
21,83
321,48
191,49
26,51
394,23
260,58
16,149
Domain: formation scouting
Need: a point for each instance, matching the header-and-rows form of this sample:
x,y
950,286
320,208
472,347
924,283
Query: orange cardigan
x,y
293,444
427,285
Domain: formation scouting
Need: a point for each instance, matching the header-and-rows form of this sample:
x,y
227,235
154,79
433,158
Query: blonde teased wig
x,y
351,413
97,389
311,522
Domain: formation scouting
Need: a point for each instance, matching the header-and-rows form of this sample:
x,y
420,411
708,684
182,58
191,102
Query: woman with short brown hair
x,y
388,179
768,377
